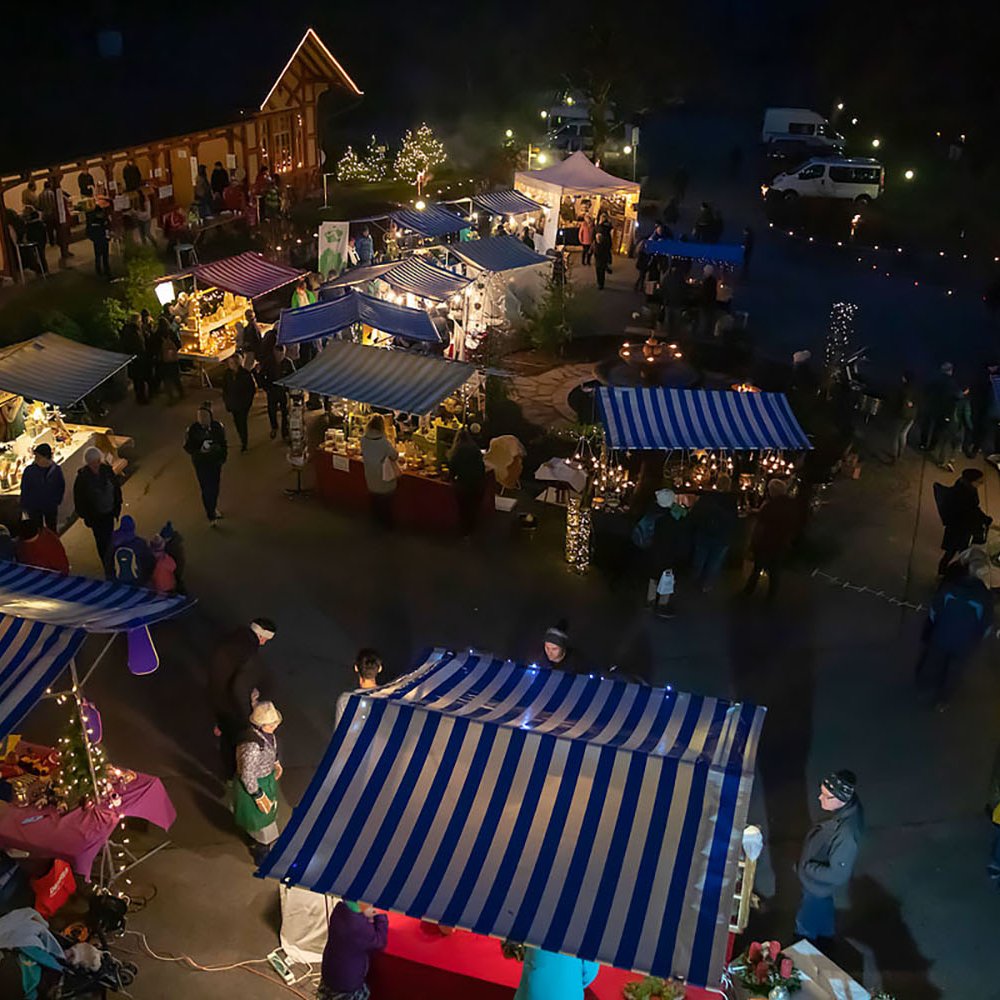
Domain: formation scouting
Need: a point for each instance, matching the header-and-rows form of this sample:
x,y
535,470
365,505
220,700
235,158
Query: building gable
x,y
311,64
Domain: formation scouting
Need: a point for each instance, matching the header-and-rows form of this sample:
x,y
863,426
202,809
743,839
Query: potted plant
x,y
763,968
654,988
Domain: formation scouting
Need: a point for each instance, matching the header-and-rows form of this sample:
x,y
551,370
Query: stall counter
x,y
419,502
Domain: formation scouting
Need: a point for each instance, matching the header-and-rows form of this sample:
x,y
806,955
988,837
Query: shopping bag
x,y
390,470
665,587
53,889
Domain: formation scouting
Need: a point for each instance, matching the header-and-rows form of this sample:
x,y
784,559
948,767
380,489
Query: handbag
x,y
665,587
53,889
390,470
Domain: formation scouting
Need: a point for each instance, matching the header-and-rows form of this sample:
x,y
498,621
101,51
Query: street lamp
x,y
543,114
876,143
909,175
630,150
509,133
840,105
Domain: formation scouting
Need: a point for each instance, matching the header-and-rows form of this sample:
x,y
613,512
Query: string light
x,y
839,336
350,167
578,527
420,151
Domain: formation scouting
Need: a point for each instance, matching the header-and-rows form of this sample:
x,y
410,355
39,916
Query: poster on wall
x,y
194,169
230,161
332,253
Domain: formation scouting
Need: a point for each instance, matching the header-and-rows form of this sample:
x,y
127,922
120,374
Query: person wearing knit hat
x,y
556,651
828,855
258,771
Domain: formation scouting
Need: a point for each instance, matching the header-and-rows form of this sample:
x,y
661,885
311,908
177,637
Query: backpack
x,y
125,565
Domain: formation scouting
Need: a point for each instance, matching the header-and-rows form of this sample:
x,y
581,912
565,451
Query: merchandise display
x,y
208,321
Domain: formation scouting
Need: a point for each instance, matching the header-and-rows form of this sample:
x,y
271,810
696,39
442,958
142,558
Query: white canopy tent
x,y
575,177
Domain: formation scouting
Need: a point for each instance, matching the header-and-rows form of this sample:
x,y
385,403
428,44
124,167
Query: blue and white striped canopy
x,y
434,220
394,380
577,814
32,656
498,253
717,253
506,202
55,370
324,319
662,419
428,281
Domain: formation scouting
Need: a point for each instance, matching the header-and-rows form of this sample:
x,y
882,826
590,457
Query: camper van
x,y
796,129
860,179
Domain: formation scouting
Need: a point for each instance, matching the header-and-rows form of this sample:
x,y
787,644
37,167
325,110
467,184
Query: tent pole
x,y
94,665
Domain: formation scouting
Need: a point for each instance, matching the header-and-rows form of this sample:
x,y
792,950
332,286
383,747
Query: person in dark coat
x,y
667,552
130,559
34,235
468,476
238,391
960,617
642,265
776,527
165,346
354,932
275,368
97,496
251,341
903,412
96,226
42,488
714,522
206,444
220,180
131,176
133,342
237,680
939,404
828,855
963,519
602,256
556,652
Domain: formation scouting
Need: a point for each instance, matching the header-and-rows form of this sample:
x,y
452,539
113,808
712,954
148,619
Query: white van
x,y
798,129
860,179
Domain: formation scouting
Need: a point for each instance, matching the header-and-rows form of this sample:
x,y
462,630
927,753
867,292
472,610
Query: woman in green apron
x,y
255,794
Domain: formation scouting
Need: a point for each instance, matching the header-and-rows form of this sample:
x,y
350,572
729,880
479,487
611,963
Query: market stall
x,y
576,186
568,812
431,399
47,810
40,379
417,226
512,209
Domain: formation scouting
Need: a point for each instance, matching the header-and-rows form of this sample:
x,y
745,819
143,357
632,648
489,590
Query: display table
x,y
79,836
821,979
421,962
419,502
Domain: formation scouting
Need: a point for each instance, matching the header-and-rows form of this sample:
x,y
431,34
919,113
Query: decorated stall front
x,y
512,210
575,187
41,379
564,812
429,399
68,800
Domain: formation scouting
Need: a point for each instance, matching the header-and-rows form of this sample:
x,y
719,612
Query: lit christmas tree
x,y
838,338
375,165
421,151
73,783
350,167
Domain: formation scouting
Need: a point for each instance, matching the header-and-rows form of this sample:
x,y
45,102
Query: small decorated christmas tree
x,y
375,165
421,151
74,783
838,338
350,167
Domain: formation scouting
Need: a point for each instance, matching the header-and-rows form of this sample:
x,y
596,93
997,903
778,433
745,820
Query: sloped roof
x,y
577,173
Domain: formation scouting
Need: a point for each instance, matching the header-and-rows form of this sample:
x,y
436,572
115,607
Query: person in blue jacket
x,y
549,976
42,488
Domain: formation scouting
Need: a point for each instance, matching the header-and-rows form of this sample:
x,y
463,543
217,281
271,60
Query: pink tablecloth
x,y
78,836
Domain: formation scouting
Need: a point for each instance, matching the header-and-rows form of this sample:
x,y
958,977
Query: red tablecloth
x,y
78,836
421,962
419,502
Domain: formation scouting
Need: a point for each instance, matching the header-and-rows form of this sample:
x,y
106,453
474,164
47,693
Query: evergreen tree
x,y
420,151
74,783
838,338
350,168
375,165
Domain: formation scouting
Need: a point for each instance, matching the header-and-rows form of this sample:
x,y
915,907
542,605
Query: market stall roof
x,y
434,220
250,274
578,174
324,319
722,253
358,275
395,380
506,202
44,619
581,815
498,253
661,419
55,370
428,281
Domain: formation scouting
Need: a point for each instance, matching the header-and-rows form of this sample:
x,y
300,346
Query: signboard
x,y
332,253
165,191
194,169
231,161
120,203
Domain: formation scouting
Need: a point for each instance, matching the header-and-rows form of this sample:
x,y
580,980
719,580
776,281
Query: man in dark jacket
x,y
714,522
237,679
274,368
777,525
828,855
963,519
97,496
238,391
904,415
960,617
206,444
133,341
220,179
96,226
131,176
251,339
602,256
939,403
42,488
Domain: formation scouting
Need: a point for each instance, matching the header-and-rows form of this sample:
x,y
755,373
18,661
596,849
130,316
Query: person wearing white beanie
x,y
258,770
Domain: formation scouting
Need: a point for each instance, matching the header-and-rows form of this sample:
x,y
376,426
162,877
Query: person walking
x,y
238,391
40,546
365,247
776,527
828,855
955,432
237,680
205,442
166,347
667,551
585,234
42,488
939,404
904,415
547,975
960,617
354,931
381,471
602,257
714,521
468,476
132,342
258,771
97,227
97,497
278,366
642,264
963,519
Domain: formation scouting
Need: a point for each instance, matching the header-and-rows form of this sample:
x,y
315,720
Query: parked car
x,y
859,179
789,132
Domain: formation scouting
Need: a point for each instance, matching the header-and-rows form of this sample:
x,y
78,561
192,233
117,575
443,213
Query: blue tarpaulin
x,y
325,319
506,202
395,380
498,253
430,221
662,419
574,813
717,253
